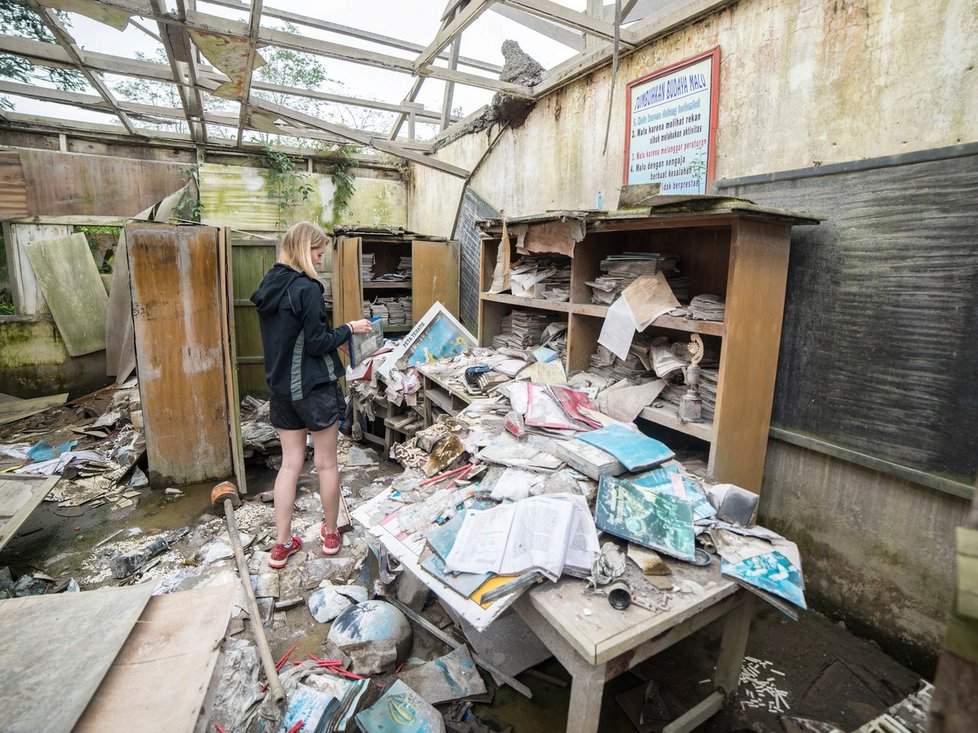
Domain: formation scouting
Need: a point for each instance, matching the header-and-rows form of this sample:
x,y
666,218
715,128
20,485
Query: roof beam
x,y
253,25
354,33
543,27
654,26
462,20
190,99
573,19
68,44
357,136
49,54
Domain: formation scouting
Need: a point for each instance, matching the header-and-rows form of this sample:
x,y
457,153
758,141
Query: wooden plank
x,y
73,289
179,352
754,309
26,291
573,19
172,651
462,20
546,28
19,496
13,410
347,286
435,268
225,287
57,649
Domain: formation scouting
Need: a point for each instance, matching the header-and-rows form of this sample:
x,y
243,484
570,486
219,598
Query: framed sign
x,y
671,126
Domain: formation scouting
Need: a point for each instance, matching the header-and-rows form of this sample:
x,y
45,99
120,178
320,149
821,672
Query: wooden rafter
x,y
573,19
253,26
359,33
69,46
357,136
193,105
464,17
543,27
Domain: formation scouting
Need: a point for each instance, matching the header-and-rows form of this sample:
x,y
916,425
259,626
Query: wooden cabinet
x,y
725,247
434,265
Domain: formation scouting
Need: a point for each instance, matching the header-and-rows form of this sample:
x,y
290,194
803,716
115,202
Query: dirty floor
x,y
811,669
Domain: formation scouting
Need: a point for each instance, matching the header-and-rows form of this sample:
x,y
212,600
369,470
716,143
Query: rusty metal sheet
x,y
13,187
62,184
180,351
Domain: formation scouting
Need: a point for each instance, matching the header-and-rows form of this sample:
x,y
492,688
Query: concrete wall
x,y
802,83
34,361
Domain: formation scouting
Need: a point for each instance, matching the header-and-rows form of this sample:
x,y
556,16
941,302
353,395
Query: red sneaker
x,y
281,553
331,541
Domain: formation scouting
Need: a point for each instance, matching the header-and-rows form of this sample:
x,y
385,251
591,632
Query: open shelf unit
x,y
725,247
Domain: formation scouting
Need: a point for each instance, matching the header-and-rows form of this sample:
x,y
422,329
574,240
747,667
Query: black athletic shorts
x,y
320,410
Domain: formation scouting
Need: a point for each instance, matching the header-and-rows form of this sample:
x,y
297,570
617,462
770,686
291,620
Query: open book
x,y
549,534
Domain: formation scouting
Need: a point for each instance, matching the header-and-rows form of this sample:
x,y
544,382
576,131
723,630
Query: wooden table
x,y
596,642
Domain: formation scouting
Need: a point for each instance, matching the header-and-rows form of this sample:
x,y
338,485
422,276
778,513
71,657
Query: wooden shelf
x,y
387,285
398,329
711,328
540,303
666,416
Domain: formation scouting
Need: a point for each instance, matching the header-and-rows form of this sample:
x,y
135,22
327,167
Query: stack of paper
x,y
621,270
550,534
521,329
706,308
679,285
706,389
367,266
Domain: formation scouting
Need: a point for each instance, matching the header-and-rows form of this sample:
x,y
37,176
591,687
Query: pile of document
x,y
521,329
545,277
403,272
367,266
392,311
621,270
706,308
552,534
635,367
707,390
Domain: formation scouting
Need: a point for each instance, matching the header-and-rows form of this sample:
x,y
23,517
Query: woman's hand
x,y
361,326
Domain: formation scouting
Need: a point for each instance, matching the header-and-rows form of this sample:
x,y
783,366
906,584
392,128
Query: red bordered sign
x,y
671,126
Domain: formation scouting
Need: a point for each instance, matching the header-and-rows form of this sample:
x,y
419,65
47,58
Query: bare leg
x,y
293,458
324,456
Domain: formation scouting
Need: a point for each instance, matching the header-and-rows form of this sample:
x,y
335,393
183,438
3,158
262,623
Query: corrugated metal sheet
x,y
61,184
13,187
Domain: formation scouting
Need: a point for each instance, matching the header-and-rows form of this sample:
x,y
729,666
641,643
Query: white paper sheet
x,y
618,329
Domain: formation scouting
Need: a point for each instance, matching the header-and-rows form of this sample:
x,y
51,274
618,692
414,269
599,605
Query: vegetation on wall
x,y
102,240
287,185
341,173
6,298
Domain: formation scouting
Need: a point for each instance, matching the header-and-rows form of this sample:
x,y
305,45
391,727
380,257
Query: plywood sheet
x,y
26,291
180,351
57,649
172,652
13,410
73,290
95,185
19,496
435,268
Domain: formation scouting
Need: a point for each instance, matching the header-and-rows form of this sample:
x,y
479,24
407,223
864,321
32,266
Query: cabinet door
x,y
347,286
435,275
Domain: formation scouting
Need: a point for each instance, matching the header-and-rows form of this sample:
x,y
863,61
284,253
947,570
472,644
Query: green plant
x,y
102,240
341,173
190,207
287,185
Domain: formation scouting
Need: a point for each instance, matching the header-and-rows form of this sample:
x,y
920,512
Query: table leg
x,y
587,688
733,644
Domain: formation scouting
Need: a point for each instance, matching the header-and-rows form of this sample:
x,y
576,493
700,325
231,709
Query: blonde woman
x,y
302,369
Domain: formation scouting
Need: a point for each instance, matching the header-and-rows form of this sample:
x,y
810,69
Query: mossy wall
x,y
34,361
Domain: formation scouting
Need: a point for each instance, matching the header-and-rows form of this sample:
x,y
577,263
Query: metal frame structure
x,y
189,35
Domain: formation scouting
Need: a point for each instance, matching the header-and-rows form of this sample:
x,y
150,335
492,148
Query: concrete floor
x,y
810,668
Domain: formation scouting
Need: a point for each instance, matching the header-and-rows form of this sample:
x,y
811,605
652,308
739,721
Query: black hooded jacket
x,y
300,346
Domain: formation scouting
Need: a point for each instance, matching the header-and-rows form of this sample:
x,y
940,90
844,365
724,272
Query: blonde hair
x,y
297,245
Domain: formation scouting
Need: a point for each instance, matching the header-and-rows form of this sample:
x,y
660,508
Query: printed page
x,y
583,545
481,542
539,537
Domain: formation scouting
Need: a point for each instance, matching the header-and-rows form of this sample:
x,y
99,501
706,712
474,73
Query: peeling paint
x,y
115,17
230,55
